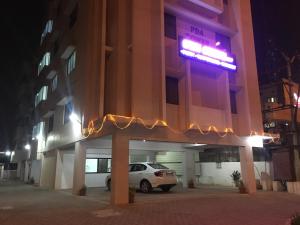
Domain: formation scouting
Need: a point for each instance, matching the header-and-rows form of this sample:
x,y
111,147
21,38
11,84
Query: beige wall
x,y
123,58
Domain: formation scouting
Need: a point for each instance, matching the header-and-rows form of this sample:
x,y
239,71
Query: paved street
x,y
26,205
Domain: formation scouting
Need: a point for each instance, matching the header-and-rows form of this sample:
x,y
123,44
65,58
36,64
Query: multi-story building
x,y
277,104
146,80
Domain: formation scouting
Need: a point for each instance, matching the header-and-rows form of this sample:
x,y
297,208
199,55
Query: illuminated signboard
x,y
204,53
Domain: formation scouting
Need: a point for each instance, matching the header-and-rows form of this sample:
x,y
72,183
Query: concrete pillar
x,y
58,170
189,168
247,168
79,168
26,173
119,172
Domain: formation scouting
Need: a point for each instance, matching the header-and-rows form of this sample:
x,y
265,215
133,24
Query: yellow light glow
x,y
124,122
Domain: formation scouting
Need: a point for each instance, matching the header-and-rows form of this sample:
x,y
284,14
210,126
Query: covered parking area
x,y
91,161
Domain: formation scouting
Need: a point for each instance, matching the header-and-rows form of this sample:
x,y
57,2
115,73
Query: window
x,y
50,123
41,95
67,112
44,62
172,96
38,130
223,42
91,165
10,166
261,155
170,26
48,29
55,47
54,83
104,165
98,165
233,104
220,155
137,167
272,99
71,63
73,16
157,166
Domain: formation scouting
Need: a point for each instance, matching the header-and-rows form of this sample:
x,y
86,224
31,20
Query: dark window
x,y
104,165
56,47
172,96
157,166
73,16
137,167
260,155
10,166
59,8
220,155
67,112
225,2
224,42
233,104
50,123
170,26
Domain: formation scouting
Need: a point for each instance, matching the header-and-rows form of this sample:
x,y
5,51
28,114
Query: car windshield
x,y
157,166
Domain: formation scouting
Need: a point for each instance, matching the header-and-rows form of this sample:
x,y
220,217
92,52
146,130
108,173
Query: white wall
x,y
208,173
67,170
97,179
35,171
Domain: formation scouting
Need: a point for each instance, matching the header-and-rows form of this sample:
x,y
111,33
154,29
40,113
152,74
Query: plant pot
x,y
131,195
82,191
242,190
236,183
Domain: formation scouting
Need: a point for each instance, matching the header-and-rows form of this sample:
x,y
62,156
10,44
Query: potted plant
x,y
242,187
131,194
82,191
191,183
236,176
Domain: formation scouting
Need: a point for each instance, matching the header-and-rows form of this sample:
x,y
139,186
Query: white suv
x,y
146,176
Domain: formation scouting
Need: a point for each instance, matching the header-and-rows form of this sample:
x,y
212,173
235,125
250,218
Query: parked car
x,y
146,175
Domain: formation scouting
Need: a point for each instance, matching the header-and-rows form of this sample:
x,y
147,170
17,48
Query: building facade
x,y
277,104
140,80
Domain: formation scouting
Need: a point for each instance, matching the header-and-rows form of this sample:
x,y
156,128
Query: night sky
x,y
275,27
21,23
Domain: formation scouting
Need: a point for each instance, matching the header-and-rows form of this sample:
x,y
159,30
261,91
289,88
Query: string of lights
x,y
124,122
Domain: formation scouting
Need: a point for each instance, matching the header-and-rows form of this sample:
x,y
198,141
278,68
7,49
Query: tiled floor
x,y
26,205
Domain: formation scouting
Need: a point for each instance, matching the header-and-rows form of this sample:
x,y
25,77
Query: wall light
x,y
257,140
8,153
27,147
74,118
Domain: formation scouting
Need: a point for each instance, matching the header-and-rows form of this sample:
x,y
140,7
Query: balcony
x,y
214,6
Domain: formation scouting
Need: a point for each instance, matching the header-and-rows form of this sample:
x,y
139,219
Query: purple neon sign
x,y
197,51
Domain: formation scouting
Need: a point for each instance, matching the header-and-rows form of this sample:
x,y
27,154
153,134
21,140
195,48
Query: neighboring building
x,y
144,80
24,121
275,100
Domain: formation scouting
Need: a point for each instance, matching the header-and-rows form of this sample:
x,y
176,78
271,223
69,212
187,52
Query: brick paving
x,y
26,205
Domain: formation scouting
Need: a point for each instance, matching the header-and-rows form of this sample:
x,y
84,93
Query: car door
x,y
136,175
131,175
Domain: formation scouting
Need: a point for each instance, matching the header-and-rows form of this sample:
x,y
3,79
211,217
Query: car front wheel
x,y
145,186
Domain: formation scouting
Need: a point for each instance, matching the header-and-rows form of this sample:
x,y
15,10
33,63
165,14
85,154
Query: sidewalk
x,y
26,205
